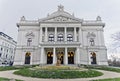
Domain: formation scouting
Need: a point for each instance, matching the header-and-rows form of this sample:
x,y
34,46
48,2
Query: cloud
x,y
11,11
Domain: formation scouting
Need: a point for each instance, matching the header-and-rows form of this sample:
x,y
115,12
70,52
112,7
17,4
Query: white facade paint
x,y
7,49
76,40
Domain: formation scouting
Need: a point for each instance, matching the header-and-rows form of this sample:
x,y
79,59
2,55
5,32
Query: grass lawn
x,y
5,79
4,68
62,67
113,79
62,74
107,68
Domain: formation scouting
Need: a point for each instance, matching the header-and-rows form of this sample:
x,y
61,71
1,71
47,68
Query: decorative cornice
x,y
93,23
28,23
60,22
61,16
10,41
60,44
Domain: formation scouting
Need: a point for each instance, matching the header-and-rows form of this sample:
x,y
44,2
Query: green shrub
x,y
4,68
6,79
57,68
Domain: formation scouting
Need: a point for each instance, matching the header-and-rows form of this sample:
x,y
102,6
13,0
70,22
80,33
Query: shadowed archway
x,y
49,57
70,57
27,58
93,58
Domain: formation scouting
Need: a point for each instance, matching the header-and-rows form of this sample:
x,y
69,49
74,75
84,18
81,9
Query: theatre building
x,y
61,35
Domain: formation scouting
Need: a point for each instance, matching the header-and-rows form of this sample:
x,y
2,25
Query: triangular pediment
x,y
60,19
60,16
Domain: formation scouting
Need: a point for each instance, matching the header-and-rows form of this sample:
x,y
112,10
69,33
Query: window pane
x,y
51,37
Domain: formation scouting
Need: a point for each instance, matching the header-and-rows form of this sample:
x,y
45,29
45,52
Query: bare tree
x,y
115,60
116,39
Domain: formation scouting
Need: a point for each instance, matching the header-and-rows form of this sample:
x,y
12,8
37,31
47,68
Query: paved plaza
x,y
10,75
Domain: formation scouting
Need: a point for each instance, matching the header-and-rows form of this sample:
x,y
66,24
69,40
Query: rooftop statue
x,y
60,8
22,18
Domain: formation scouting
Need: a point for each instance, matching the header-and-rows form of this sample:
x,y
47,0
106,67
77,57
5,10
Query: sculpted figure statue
x,y
58,60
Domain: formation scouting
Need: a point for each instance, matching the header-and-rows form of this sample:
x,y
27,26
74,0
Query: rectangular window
x,y
51,39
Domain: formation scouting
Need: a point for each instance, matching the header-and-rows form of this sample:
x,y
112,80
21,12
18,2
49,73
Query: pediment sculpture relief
x,y
61,19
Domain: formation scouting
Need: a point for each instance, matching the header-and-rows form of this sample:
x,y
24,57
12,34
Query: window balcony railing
x,y
60,42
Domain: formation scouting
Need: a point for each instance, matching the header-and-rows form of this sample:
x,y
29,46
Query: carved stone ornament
x,y
60,8
61,19
30,35
91,35
92,42
22,18
98,18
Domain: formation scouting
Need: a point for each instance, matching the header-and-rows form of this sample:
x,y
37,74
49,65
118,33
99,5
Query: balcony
x,y
62,43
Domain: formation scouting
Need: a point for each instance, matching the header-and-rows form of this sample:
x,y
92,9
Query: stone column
x,y
55,34
65,31
80,36
77,55
102,37
54,56
46,34
41,34
66,57
42,55
75,34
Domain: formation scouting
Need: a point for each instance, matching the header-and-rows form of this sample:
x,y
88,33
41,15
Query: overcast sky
x,y
12,10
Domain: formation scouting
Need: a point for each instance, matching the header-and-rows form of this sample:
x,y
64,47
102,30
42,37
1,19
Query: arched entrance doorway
x,y
27,58
93,58
60,56
49,57
70,57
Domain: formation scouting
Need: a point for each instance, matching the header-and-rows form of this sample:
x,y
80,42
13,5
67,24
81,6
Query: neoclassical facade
x,y
7,49
60,35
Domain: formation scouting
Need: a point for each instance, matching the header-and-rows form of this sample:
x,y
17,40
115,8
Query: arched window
x,y
60,37
29,40
69,38
51,38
